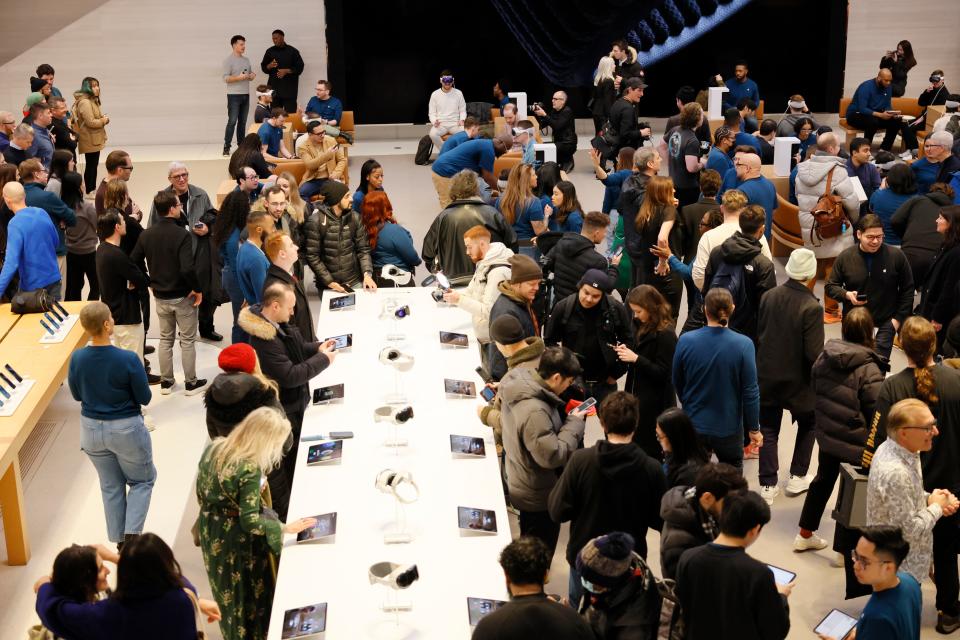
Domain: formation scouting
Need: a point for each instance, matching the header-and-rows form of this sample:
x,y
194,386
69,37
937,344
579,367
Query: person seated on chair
x,y
765,137
561,121
390,244
796,109
859,165
510,120
470,130
324,106
525,136
870,110
271,137
938,163
264,100
936,94
324,160
447,110
748,115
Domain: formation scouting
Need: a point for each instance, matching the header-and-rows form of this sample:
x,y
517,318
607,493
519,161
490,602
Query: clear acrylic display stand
x,y
393,603
400,534
394,440
60,334
398,396
17,394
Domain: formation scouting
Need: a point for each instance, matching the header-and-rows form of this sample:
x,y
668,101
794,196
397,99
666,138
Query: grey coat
x,y
537,441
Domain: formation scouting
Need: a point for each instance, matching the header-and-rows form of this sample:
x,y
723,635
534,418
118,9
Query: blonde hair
x,y
604,70
259,438
296,204
116,195
517,193
733,200
903,413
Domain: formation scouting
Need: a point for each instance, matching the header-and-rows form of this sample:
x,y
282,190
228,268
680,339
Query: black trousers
x,y
205,315
540,525
828,470
289,462
946,545
870,125
770,418
90,171
80,265
565,151
289,104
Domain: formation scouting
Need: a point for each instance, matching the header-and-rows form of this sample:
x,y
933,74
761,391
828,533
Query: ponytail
x,y
718,305
926,385
919,341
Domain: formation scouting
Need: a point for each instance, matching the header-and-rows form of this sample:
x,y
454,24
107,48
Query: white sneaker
x,y
149,422
769,493
813,543
837,561
797,485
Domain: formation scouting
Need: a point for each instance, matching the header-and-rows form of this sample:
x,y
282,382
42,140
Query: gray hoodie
x,y
536,439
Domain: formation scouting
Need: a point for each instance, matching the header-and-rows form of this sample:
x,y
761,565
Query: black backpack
x,y
424,149
733,278
480,111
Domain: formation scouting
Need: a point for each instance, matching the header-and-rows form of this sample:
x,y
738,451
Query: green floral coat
x,y
239,546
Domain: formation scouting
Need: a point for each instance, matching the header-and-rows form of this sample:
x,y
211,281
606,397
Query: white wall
x,y
876,26
159,62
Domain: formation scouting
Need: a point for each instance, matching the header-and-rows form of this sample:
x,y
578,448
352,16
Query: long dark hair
x,y
952,215
60,163
548,175
247,151
684,444
909,62
233,215
570,202
368,167
75,573
71,191
147,569
652,301
857,327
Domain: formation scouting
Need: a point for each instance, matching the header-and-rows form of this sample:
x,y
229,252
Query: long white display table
x,y
452,566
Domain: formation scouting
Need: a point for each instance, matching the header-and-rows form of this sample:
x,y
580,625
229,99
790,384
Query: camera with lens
x,y
644,125
534,106
442,282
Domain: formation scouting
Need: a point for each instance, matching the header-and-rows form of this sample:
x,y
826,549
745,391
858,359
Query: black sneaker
x,y
211,336
195,387
147,350
226,152
947,624
166,387
153,378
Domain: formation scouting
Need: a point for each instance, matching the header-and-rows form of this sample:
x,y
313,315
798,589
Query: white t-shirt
x,y
713,239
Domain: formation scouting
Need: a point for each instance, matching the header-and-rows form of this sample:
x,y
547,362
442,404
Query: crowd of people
x,y
558,321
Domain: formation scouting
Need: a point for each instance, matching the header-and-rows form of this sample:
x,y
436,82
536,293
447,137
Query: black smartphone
x,y
861,297
13,373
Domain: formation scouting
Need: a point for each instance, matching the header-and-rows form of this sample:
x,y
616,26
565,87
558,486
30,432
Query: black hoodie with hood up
x,y
608,487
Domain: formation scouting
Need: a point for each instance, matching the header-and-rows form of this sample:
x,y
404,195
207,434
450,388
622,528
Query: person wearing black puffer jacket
x,y
846,381
337,249
576,253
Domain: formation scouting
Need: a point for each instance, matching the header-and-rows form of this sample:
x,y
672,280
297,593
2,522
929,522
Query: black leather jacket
x,y
443,248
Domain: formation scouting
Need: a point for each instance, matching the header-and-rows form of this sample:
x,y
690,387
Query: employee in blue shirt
x,y
31,228
741,87
325,106
271,137
476,155
719,159
870,110
470,130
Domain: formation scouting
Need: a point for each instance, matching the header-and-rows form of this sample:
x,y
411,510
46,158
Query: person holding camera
x,y
875,275
561,120
899,62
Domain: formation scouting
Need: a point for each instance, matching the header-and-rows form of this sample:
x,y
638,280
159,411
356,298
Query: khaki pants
x,y
62,265
442,185
824,268
129,337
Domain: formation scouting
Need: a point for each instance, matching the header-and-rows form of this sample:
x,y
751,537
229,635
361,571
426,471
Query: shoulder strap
x,y
830,181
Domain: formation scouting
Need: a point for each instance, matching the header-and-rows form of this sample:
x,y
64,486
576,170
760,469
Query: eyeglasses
x,y
128,168
180,176
872,238
864,562
927,428
13,122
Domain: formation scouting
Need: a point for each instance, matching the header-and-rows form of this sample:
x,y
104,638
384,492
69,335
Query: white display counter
x,y
452,566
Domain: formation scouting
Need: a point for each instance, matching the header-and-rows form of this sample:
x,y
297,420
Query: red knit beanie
x,y
238,357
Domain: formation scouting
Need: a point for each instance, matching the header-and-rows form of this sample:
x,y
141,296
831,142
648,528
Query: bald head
x,y
752,164
7,122
884,78
827,142
14,196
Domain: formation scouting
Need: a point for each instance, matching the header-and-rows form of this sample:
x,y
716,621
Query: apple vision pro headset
x,y
390,482
393,575
396,358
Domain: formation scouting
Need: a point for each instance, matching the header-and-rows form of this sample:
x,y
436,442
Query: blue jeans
x,y
237,107
228,279
575,588
311,188
122,453
729,449
884,339
53,289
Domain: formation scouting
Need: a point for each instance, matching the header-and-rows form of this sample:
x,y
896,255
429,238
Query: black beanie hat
x,y
606,561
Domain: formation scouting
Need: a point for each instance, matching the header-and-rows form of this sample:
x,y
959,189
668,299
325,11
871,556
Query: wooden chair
x,y
759,114
907,106
296,121
506,161
785,232
297,168
347,126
